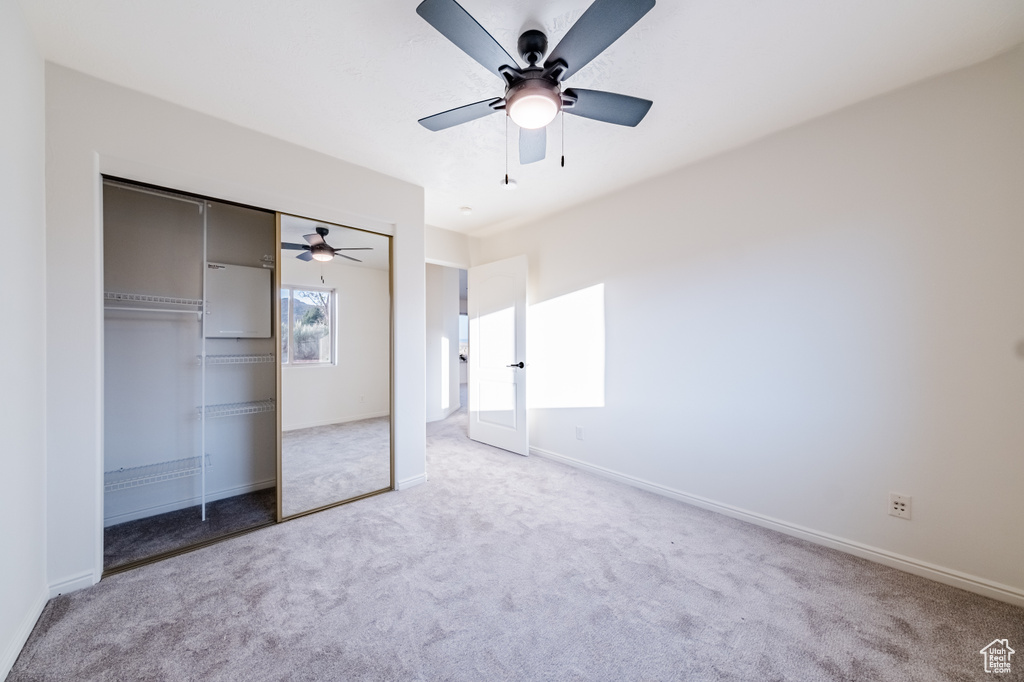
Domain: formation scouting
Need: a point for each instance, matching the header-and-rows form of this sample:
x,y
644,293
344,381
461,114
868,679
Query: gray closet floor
x,y
143,538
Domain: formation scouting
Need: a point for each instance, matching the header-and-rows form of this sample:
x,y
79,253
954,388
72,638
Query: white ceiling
x,y
350,78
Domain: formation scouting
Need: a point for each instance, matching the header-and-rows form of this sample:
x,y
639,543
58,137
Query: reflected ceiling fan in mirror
x,y
319,249
534,95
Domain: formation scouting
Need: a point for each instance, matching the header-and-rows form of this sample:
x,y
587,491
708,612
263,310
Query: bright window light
x,y
464,335
445,377
565,345
493,340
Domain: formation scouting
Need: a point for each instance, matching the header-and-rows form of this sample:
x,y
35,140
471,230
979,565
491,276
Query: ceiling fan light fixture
x,y
322,253
534,105
533,95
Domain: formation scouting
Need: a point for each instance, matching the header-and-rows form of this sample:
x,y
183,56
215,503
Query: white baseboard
x,y
407,483
190,502
947,576
21,634
328,422
78,582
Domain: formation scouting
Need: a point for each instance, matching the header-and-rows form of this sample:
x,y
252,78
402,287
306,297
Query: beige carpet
x,y
325,464
511,568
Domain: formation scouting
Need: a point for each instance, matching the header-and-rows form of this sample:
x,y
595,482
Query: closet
x,y
190,377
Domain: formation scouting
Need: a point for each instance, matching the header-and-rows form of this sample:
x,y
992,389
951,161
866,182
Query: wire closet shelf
x,y
236,409
236,359
133,477
173,304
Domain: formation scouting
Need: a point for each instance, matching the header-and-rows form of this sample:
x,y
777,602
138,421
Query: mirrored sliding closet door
x,y
334,317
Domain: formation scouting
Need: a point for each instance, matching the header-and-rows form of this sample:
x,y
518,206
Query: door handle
x,y
520,365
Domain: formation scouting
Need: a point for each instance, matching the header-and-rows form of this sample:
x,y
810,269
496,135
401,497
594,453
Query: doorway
x,y
476,349
444,369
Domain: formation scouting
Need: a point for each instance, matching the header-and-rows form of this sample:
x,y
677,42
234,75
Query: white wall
x,y
22,345
444,247
442,341
357,385
798,327
93,127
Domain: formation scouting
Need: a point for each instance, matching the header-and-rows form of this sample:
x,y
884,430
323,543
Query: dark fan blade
x,y
453,117
533,144
354,248
297,247
349,257
313,239
456,24
609,107
600,26
305,256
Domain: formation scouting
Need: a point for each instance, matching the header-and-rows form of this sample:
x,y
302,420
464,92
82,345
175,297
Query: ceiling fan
x,y
534,95
319,249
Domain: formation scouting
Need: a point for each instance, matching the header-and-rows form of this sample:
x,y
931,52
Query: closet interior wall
x,y
159,251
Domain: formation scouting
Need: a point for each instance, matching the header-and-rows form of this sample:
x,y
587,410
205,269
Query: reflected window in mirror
x,y
307,325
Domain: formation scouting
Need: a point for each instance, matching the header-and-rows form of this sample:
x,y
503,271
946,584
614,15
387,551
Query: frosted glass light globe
x,y
533,108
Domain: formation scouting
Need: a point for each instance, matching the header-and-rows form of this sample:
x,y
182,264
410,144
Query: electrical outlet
x,y
579,433
899,505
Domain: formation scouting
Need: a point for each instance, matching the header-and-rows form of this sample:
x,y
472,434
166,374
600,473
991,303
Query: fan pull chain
x,y
562,114
506,152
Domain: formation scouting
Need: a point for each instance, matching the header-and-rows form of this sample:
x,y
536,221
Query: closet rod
x,y
153,192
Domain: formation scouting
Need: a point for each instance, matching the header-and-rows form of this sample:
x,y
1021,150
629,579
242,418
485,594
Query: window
x,y
307,326
463,336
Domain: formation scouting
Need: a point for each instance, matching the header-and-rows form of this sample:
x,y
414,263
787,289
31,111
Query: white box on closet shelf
x,y
237,302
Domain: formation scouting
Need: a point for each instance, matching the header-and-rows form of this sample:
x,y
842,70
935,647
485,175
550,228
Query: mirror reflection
x,y
335,331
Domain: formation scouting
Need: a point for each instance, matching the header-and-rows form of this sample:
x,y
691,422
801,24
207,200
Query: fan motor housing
x,y
322,252
532,45
533,79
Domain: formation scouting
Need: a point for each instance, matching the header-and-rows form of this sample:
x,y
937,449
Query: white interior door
x,y
496,303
